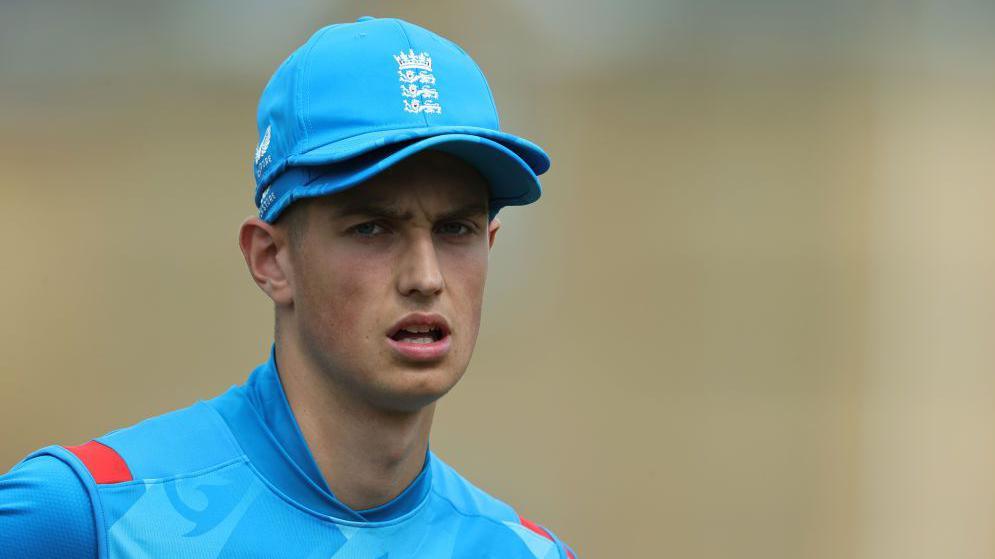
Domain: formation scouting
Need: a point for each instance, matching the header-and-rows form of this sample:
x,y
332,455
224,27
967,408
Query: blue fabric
x,y
264,427
233,477
264,390
45,512
382,89
510,180
158,447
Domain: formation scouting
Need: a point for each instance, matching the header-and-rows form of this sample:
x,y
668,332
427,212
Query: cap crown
x,y
366,77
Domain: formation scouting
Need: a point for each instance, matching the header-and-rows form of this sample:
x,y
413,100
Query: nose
x,y
420,273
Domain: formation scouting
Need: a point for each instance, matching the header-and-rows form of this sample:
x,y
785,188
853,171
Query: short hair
x,y
294,222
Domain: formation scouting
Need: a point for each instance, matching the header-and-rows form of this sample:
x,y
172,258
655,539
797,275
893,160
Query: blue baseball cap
x,y
357,98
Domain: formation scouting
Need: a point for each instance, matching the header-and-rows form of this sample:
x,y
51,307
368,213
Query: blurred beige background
x,y
752,315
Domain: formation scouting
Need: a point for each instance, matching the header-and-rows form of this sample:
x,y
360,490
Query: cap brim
x,y
511,177
341,150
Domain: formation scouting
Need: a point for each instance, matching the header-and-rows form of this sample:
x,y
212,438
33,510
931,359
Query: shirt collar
x,y
262,421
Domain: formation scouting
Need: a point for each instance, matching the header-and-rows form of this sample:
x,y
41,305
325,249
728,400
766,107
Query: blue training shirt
x,y
233,477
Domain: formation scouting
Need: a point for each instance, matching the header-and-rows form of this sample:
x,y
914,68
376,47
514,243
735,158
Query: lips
x,y
420,325
420,337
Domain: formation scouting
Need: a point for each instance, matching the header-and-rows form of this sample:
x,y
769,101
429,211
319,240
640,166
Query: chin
x,y
414,388
406,402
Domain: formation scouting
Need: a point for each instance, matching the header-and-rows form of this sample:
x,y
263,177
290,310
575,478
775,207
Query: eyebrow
x,y
389,212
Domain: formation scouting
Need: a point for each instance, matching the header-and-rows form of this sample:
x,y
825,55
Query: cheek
x,y
340,301
466,278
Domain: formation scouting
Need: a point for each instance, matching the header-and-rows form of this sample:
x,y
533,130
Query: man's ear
x,y
265,249
492,229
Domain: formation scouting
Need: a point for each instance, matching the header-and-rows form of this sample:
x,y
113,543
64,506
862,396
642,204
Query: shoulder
x,y
45,511
178,442
471,501
52,501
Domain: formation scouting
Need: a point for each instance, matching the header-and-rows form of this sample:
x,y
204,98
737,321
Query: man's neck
x,y
366,456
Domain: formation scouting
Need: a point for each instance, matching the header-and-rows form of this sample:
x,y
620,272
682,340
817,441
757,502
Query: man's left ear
x,y
492,229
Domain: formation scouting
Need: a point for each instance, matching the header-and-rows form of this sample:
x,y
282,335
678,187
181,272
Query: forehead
x,y
431,180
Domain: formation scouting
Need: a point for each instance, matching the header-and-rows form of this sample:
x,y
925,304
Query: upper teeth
x,y
419,329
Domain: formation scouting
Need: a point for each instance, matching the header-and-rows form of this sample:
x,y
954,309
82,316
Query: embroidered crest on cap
x,y
417,81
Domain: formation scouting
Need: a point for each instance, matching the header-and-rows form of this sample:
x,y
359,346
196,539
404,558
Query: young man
x,y
379,172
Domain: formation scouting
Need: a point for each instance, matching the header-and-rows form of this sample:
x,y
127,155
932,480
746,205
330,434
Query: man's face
x,y
414,239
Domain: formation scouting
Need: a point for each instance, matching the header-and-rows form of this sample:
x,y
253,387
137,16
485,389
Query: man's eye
x,y
367,229
455,228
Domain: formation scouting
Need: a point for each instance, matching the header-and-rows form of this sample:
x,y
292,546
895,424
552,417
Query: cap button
x,y
365,18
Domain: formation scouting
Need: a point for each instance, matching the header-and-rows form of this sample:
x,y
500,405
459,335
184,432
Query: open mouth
x,y
421,337
418,334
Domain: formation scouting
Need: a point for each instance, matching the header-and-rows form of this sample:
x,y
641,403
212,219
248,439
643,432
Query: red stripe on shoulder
x,y
104,463
535,527
541,531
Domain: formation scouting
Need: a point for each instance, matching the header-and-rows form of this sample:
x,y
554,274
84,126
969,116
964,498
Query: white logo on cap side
x,y
263,145
417,82
261,159
266,200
